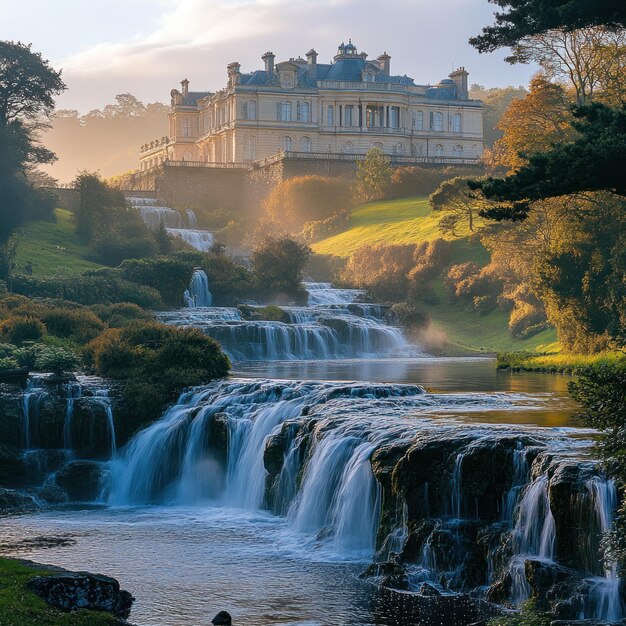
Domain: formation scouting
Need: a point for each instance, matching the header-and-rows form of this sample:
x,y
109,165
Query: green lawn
x,y
408,220
52,247
21,607
411,220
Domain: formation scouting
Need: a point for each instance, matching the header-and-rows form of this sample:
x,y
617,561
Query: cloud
x,y
198,38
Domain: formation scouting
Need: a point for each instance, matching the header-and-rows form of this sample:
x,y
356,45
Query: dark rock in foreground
x,y
70,591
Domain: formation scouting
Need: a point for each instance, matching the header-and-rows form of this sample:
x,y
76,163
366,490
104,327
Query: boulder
x,y
81,480
12,501
11,418
70,591
389,574
12,467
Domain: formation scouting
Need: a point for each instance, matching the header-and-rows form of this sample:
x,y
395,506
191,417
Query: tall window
x,y
436,121
249,152
287,144
456,123
394,117
284,111
418,120
330,116
186,126
458,151
305,144
304,111
348,147
249,110
438,150
347,115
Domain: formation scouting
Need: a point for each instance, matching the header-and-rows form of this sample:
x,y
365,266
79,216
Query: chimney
x,y
269,57
185,85
384,61
234,75
311,59
460,78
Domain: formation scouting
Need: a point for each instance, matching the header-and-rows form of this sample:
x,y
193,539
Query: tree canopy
x,y
525,18
593,161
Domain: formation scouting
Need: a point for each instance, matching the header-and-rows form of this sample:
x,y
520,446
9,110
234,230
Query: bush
x,y
279,267
78,325
102,286
120,314
28,354
381,269
158,362
307,199
414,181
18,330
409,315
8,363
314,231
57,360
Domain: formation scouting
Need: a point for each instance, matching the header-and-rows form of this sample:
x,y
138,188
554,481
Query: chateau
x,y
337,111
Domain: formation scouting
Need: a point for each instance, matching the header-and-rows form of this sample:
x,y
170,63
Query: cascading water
x,y
337,329
198,294
155,215
310,451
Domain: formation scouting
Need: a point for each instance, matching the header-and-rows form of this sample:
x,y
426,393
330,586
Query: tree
x,y
27,89
458,203
525,18
28,84
532,124
593,161
592,60
496,101
373,175
278,265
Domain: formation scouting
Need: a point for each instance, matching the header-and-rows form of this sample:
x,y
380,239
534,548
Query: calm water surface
x,y
185,564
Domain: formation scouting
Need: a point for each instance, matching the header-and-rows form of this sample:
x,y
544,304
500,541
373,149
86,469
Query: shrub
x,y
382,269
120,314
409,315
307,199
414,181
279,267
28,354
57,360
314,231
78,325
18,330
8,363
102,286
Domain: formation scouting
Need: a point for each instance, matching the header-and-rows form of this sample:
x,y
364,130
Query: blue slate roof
x,y
194,96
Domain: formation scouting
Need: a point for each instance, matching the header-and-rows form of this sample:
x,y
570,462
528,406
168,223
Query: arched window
x,y
436,121
456,123
305,144
417,149
348,147
438,150
249,151
398,148
458,151
418,120
379,145
287,143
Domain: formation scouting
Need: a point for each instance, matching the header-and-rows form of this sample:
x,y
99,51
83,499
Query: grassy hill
x,y
411,220
52,247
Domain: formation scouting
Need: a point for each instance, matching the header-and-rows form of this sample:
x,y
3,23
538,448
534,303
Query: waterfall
x,y
71,391
192,220
605,592
325,294
155,215
318,332
198,294
201,240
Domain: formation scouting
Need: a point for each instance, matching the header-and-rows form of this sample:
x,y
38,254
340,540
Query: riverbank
x,y
565,363
19,606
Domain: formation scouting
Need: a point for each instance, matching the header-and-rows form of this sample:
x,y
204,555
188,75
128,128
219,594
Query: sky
x,y
146,47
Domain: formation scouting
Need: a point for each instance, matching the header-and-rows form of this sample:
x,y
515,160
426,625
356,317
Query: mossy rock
x,y
81,480
90,430
12,467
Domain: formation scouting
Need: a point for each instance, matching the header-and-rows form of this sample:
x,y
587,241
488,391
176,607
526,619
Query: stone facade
x,y
301,106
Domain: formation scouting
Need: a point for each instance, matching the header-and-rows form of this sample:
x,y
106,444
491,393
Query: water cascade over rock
x,y
334,327
184,227
198,294
56,439
364,471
